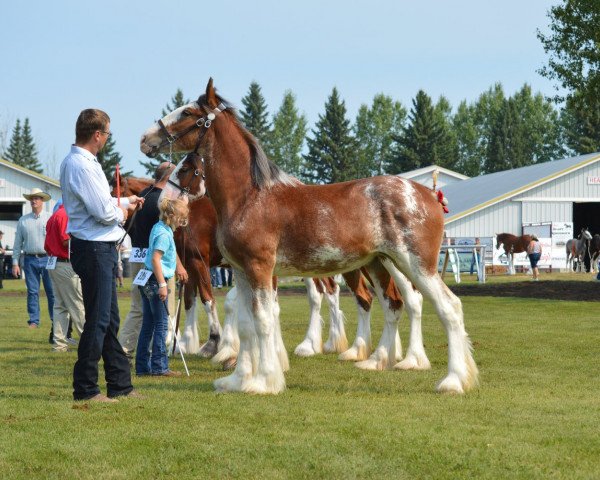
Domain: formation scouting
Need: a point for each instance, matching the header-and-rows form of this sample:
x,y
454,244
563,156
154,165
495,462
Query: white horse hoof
x,y
358,351
270,384
305,349
335,345
413,362
209,349
371,364
450,384
223,355
230,383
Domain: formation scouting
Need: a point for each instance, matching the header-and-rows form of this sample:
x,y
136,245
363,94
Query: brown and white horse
x,y
594,250
196,246
271,224
512,244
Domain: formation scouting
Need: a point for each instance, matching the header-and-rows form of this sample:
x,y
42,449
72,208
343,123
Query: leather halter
x,y
170,138
197,172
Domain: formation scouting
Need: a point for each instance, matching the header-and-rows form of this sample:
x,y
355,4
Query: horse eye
x,y
186,113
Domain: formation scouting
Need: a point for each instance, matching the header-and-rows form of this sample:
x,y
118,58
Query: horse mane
x,y
265,173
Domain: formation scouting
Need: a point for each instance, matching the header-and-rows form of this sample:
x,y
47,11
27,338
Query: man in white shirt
x,y
95,227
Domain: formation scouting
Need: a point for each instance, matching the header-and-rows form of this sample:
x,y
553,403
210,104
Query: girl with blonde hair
x,y
161,260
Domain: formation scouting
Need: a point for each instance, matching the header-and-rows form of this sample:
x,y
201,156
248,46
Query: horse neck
x,y
228,171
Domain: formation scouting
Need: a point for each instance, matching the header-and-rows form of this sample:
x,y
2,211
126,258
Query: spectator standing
x,y
161,261
30,237
95,226
68,301
534,251
476,258
143,222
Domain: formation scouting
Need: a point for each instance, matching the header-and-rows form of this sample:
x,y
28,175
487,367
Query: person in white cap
x,y
30,236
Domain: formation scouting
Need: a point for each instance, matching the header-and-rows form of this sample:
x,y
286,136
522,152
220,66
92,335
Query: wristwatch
x,y
160,285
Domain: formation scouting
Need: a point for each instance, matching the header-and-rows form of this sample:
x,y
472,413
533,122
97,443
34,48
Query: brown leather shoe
x,y
100,398
168,373
135,394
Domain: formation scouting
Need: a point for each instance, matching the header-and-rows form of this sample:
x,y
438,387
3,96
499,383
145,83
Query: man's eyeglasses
x,y
108,134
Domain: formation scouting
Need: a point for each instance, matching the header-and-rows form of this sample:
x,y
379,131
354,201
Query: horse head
x,y
118,179
183,129
187,180
585,234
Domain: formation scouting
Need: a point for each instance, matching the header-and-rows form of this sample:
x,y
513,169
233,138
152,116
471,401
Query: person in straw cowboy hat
x,y
30,237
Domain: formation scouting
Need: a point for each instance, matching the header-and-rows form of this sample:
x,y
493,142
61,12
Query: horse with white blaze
x,y
271,224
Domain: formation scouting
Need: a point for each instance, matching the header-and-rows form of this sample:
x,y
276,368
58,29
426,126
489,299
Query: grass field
x,y
536,413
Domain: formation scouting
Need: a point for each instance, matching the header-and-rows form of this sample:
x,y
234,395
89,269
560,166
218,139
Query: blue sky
x,y
129,57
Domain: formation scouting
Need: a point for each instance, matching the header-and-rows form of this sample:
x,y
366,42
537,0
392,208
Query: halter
x,y
197,172
170,138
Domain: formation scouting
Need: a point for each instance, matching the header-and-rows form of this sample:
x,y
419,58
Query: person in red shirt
x,y
68,302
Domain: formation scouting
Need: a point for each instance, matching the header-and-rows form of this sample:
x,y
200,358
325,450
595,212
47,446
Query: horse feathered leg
x,y
279,345
259,369
389,347
361,348
313,340
230,340
462,370
337,341
247,358
190,338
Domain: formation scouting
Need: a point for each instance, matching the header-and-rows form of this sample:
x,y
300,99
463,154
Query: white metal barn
x,y
545,197
14,182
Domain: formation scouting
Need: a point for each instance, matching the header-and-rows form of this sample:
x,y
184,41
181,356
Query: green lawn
x,y
536,413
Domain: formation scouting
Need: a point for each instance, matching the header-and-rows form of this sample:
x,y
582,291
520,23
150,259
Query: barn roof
x,y
477,193
30,173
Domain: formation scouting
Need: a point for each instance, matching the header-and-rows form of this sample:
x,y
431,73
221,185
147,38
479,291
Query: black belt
x,y
36,255
63,260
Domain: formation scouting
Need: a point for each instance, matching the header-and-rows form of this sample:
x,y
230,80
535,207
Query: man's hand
x,y
16,271
135,201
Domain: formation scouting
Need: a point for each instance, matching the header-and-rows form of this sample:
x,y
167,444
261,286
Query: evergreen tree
x,y
286,140
108,158
177,101
446,146
423,140
22,150
507,148
255,115
375,130
332,151
14,152
485,114
467,141
30,154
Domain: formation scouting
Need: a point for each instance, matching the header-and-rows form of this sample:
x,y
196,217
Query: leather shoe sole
x,y
168,373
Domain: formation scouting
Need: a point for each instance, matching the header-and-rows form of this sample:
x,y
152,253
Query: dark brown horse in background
x,y
512,244
594,250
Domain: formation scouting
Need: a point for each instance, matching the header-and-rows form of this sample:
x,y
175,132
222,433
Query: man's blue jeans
x,y
155,321
96,265
34,268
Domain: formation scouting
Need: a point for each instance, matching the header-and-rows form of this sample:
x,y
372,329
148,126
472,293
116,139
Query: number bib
x,y
142,277
138,255
51,265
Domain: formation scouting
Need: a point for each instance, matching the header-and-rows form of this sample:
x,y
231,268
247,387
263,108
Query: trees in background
x,y
286,139
21,149
108,158
255,116
573,45
332,150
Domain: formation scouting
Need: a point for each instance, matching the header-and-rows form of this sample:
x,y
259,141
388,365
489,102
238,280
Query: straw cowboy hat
x,y
36,192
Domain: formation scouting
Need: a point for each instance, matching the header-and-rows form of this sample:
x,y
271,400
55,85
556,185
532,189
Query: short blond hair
x,y
174,212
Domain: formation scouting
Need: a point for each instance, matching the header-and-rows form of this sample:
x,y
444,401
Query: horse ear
x,y
211,96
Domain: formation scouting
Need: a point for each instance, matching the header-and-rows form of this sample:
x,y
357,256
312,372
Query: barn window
x,y
11,211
